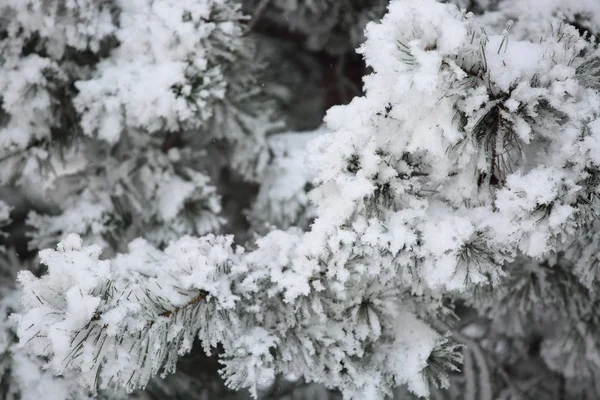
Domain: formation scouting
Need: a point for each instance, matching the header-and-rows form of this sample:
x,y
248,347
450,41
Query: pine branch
x,y
142,320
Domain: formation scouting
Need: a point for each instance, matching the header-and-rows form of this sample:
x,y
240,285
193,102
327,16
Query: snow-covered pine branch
x,y
121,321
97,99
86,85
137,190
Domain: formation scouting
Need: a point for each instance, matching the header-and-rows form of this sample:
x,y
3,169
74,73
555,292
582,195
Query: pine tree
x,y
440,240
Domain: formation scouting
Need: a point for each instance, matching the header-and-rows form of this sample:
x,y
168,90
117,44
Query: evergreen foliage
x,y
185,219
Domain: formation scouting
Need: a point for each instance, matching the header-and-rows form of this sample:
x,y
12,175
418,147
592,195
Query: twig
x,y
166,314
260,9
469,373
485,386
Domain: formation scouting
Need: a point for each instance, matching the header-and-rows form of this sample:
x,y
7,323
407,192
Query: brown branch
x,y
194,301
166,314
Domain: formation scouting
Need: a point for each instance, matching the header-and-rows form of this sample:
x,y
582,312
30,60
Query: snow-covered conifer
x,y
463,184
